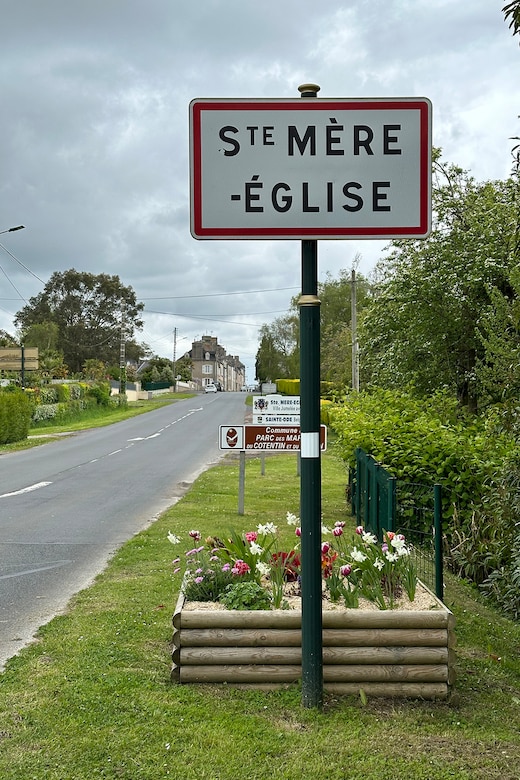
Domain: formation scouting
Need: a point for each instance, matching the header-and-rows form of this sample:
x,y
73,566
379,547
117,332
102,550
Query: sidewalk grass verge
x,y
92,697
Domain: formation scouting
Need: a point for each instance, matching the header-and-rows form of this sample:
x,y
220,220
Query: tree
x,y
278,354
6,340
87,310
423,326
158,369
511,13
336,324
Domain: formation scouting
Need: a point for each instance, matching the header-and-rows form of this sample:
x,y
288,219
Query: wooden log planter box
x,y
389,653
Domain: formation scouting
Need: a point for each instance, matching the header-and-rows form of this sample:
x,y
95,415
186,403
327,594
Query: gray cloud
x,y
94,134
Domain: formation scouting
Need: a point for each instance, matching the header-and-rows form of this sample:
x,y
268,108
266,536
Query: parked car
x,y
210,389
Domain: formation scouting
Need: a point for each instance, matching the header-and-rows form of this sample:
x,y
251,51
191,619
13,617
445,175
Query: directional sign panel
x,y
276,404
11,358
310,168
275,438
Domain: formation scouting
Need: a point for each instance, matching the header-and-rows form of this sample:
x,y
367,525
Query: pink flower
x,y
338,531
240,568
177,570
384,548
325,547
345,570
176,560
340,524
226,567
198,580
195,535
251,536
298,531
360,530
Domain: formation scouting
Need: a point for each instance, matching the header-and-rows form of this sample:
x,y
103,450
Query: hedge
x,y
15,416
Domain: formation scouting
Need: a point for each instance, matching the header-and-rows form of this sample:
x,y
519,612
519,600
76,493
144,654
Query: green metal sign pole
x,y
310,471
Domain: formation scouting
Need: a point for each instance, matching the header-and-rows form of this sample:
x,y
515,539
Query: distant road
x,y
65,507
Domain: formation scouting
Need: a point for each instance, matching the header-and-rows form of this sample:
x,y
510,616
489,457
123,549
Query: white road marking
x,y
55,565
36,486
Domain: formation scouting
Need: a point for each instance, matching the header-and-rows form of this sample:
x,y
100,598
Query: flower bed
x,y
393,653
394,644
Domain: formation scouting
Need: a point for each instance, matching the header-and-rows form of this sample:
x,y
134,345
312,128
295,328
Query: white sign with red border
x,y
310,168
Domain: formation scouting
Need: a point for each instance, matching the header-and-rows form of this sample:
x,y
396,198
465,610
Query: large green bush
x,y
15,416
422,441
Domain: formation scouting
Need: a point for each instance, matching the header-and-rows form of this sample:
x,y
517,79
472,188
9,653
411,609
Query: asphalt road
x,y
65,507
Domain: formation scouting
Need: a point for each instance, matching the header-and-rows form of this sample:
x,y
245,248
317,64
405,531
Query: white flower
x,y
358,556
325,530
292,519
268,528
255,548
263,568
173,539
398,542
378,563
369,538
391,556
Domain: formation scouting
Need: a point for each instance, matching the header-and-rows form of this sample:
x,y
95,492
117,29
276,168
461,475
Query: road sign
x,y
264,437
276,404
276,419
11,358
309,169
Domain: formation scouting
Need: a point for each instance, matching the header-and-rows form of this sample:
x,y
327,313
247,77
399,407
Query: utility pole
x,y
174,362
355,344
122,359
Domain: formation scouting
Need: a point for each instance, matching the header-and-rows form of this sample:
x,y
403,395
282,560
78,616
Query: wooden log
x,y
237,674
385,637
359,675
385,655
430,691
355,618
240,619
234,637
178,610
386,673
389,618
292,655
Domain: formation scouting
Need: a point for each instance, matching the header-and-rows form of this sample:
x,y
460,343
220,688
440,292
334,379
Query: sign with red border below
x,y
312,168
274,438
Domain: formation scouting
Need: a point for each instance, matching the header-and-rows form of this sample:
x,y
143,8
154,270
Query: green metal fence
x,y
380,502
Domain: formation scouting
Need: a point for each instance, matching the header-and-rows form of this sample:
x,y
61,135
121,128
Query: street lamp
x,y
11,230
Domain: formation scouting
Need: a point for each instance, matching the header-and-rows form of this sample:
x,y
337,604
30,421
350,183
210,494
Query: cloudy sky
x,y
94,136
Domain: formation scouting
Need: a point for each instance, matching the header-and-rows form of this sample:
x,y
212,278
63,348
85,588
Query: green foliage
x,y
422,441
288,386
101,392
502,585
278,353
86,309
15,415
158,369
246,595
424,323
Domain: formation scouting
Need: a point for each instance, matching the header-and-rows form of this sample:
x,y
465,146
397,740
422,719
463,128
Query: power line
x,y
218,295
20,263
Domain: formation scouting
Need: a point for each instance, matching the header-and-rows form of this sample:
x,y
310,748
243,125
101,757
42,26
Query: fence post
x,y
391,503
437,530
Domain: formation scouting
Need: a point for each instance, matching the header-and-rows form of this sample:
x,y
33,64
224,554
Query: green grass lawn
x,y
92,697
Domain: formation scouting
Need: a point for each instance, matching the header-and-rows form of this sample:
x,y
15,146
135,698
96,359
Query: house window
x,y
207,368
